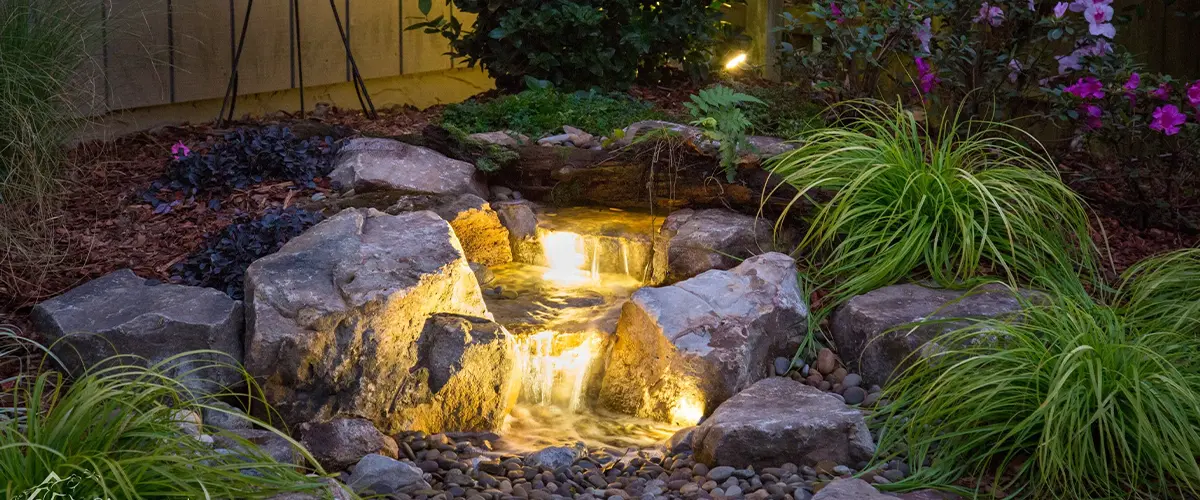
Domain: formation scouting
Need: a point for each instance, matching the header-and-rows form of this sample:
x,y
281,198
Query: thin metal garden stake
x,y
231,90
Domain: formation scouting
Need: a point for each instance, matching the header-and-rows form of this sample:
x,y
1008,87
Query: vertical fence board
x,y
423,52
138,53
375,38
266,63
202,51
324,56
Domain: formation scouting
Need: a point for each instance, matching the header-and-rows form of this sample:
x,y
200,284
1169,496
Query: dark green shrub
x,y
538,112
789,113
222,263
582,44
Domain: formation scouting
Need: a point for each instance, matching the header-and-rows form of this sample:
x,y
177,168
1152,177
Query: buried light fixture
x,y
736,61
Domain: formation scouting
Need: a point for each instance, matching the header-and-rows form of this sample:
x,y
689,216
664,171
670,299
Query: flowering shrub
x,y
998,59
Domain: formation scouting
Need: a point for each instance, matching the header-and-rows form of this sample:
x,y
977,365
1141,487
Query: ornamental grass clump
x,y
895,200
1072,399
115,433
1164,291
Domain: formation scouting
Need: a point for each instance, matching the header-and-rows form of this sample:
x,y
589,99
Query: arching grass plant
x,y
115,433
1164,291
896,198
1071,400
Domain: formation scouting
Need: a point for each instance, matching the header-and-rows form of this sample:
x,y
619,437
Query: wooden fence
x,y
159,52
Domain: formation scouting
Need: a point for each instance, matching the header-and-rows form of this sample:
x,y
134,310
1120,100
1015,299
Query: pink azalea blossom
x,y
180,151
927,79
990,15
1032,6
924,34
837,13
1098,17
1067,64
1060,9
1082,5
1193,94
1087,88
1014,70
1167,119
1163,92
1131,85
1091,116
1095,49
1133,82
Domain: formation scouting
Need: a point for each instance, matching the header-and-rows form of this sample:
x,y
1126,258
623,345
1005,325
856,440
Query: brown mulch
x,y
106,226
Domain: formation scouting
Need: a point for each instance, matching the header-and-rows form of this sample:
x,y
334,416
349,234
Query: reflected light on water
x,y
567,256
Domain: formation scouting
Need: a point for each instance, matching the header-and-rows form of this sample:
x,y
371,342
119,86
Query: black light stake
x,y
231,90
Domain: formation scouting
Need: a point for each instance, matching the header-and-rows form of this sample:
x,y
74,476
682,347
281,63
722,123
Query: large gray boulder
x,y
870,333
693,241
123,314
779,420
342,442
334,317
681,350
850,489
374,164
484,239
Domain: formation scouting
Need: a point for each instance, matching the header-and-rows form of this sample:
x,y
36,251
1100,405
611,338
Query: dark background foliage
x,y
583,44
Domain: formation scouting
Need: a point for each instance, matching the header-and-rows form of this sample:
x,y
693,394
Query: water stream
x,y
563,315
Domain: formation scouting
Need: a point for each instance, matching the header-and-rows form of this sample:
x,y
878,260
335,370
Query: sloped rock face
x,y
372,164
688,347
693,241
123,314
465,373
522,225
867,329
484,239
779,420
334,318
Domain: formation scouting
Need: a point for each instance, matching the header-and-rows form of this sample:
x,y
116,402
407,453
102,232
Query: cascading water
x,y
566,307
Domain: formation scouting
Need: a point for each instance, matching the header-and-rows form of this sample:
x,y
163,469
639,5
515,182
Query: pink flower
x,y
1098,17
1091,114
927,79
1032,6
991,15
180,151
1163,92
1193,94
837,13
1167,119
925,34
1082,5
1087,88
1133,82
1014,70
1067,64
1131,85
1060,9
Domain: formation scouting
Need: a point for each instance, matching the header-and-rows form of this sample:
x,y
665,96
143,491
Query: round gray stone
x,y
855,395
